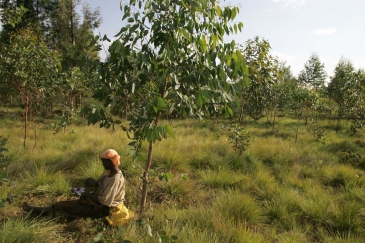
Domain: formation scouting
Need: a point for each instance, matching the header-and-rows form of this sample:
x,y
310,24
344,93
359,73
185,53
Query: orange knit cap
x,y
112,155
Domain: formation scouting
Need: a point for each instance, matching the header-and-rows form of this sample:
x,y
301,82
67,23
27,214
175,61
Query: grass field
x,y
278,190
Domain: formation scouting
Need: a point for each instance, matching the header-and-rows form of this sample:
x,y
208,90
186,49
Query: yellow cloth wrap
x,y
119,215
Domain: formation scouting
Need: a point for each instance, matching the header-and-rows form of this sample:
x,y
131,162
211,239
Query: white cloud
x,y
290,3
324,31
295,62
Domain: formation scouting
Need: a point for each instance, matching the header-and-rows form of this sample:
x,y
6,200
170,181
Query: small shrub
x,y
354,159
318,132
239,138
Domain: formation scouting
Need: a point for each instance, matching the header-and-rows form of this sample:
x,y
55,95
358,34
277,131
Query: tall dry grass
x,y
279,190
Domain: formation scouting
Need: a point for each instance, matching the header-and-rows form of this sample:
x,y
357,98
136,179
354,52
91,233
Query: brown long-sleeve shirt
x,y
111,189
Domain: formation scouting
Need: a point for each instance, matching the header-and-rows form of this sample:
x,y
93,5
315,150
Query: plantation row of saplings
x,y
276,158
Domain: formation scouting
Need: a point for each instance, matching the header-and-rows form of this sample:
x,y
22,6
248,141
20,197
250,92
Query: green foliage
x,y
3,149
346,89
317,131
179,83
313,75
354,159
239,138
262,75
12,15
62,121
184,67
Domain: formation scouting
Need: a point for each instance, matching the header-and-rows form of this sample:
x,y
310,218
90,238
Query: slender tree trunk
x,y
126,108
273,123
149,161
72,24
26,119
145,180
240,119
338,123
296,134
35,135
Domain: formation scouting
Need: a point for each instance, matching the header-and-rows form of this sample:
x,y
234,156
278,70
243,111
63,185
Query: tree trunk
x,y
338,123
72,24
240,119
145,180
149,162
145,173
35,135
26,119
273,123
296,134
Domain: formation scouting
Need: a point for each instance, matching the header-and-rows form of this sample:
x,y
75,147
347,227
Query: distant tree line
x,y
43,43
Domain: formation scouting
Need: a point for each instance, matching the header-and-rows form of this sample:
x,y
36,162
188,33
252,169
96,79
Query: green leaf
x,y
199,100
149,135
185,34
213,41
156,134
133,28
233,44
229,111
233,13
240,26
159,103
106,38
170,131
219,11
97,238
234,56
204,43
235,28
169,175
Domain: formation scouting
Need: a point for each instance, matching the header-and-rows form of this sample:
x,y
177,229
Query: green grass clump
x,y
30,230
221,179
45,180
240,208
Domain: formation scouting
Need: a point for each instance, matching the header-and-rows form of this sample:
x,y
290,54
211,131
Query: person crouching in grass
x,y
110,193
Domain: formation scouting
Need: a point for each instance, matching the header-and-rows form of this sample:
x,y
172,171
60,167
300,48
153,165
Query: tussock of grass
x,y
345,218
223,179
30,230
174,192
44,180
240,208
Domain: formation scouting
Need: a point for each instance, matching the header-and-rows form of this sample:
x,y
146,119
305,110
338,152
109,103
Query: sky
x,y
295,29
